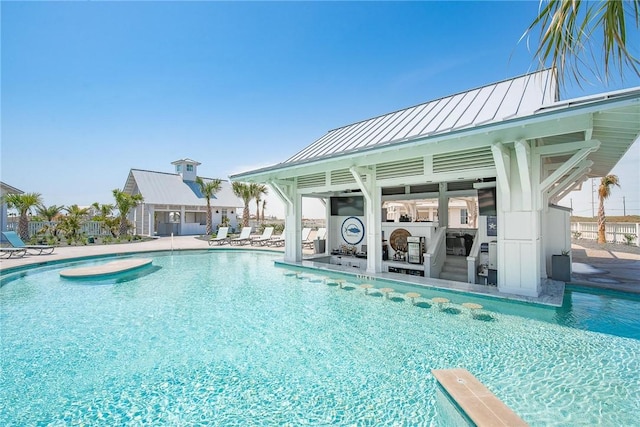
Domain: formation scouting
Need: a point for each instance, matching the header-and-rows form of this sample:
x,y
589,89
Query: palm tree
x,y
568,30
125,202
257,191
48,213
23,204
604,191
245,192
104,211
72,222
264,205
208,189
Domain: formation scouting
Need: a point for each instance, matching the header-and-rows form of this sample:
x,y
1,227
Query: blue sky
x,y
92,89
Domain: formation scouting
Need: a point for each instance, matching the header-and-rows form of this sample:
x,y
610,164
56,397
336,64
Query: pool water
x,y
229,338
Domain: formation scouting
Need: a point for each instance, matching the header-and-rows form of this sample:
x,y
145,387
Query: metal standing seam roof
x,y
6,188
493,103
161,188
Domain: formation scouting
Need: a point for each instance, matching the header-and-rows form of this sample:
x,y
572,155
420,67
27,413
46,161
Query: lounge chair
x,y
245,237
17,242
277,240
221,237
321,233
264,239
305,237
12,252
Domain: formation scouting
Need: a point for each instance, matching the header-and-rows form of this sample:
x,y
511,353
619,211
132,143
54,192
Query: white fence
x,y
614,231
90,228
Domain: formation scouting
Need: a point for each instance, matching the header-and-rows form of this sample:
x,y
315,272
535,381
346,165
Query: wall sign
x,y
492,225
352,230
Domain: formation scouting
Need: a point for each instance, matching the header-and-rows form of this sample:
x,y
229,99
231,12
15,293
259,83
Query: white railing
x,y
436,254
90,228
614,231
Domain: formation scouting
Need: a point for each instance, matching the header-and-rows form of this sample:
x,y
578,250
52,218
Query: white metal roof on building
x,y
6,188
160,188
493,103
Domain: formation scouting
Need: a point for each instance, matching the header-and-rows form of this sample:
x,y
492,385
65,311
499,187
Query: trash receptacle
x,y
319,246
91,239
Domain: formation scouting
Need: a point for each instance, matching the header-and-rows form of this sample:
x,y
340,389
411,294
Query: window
x,y
189,168
464,216
178,168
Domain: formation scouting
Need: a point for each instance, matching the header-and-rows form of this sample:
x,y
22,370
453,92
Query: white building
x,y
512,146
174,204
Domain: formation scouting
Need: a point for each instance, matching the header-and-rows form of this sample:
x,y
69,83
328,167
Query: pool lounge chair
x,y
264,239
321,234
12,252
245,237
305,237
221,237
17,242
277,240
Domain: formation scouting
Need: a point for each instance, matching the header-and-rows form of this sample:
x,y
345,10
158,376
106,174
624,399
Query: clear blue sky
x,y
93,89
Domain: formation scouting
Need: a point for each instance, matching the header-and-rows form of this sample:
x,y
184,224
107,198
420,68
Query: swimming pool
x,y
228,338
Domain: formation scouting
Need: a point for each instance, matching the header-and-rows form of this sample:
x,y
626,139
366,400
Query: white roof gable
x,y
162,188
508,99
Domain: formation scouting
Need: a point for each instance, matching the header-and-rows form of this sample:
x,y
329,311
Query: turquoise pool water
x,y
227,338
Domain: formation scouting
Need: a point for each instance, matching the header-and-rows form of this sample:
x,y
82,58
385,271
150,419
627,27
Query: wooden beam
x,y
523,156
565,148
569,164
280,192
356,171
502,159
579,170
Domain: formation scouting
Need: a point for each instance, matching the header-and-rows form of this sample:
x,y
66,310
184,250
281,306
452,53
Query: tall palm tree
x,y
23,204
72,222
258,190
245,192
208,189
264,205
604,191
569,30
48,213
125,202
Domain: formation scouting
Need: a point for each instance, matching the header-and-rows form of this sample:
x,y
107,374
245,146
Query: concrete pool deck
x,y
594,267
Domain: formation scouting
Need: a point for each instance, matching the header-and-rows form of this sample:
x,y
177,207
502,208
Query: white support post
x,y
286,191
373,226
443,205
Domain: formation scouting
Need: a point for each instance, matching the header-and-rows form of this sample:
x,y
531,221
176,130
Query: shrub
x,y
629,238
577,234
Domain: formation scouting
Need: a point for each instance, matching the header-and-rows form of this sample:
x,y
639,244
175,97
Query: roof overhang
x,y
587,114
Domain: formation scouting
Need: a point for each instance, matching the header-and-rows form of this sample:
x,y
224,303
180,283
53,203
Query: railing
x,y
90,228
436,254
614,232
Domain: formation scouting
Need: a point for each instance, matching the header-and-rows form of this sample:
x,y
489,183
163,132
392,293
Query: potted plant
x,y
561,266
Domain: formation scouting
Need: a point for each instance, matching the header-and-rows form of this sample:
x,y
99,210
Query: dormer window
x,y
189,168
178,168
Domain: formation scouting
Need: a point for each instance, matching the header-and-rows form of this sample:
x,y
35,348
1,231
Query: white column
x,y
443,206
286,191
152,223
293,227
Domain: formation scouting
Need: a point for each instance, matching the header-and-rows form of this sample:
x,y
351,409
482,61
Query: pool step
x,y
454,268
475,400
